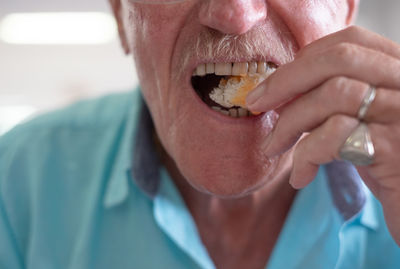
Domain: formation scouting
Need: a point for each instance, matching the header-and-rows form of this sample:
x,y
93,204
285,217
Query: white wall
x,y
381,16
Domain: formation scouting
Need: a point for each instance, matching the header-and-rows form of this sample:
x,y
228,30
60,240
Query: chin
x,y
233,180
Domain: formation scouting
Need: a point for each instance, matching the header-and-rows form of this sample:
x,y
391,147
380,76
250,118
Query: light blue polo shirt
x,y
82,188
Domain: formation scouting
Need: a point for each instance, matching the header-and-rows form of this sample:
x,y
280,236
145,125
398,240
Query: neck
x,y
245,228
276,196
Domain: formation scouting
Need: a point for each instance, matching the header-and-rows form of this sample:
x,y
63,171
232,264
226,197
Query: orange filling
x,y
250,83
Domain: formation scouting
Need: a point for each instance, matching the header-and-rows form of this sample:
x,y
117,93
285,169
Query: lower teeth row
x,y
233,112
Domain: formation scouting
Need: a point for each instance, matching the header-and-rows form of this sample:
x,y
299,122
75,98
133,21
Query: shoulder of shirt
x,y
88,119
70,152
84,114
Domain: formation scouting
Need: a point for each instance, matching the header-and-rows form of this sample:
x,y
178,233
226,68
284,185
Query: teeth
x,y
252,68
210,69
233,112
240,69
223,69
243,112
261,67
216,108
225,112
201,70
233,69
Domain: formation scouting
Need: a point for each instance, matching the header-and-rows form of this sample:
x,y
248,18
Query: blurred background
x,y
51,70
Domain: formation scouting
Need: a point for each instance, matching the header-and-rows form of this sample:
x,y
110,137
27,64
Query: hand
x,y
320,93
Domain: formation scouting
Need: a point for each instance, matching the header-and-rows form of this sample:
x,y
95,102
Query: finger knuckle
x,y
338,84
329,89
301,147
354,31
350,92
337,120
384,148
343,52
338,93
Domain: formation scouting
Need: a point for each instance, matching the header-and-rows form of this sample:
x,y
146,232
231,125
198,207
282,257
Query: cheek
x,y
151,42
153,31
147,40
310,20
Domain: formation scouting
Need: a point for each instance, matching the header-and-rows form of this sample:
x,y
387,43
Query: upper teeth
x,y
232,69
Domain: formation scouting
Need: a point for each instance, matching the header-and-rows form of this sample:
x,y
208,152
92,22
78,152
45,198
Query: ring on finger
x,y
366,103
358,147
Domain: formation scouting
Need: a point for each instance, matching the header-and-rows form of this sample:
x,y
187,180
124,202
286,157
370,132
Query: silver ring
x,y
367,101
358,148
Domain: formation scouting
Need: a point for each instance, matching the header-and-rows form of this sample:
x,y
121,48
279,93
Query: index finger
x,y
306,73
355,35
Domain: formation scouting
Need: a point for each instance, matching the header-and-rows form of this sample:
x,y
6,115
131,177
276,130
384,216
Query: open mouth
x,y
224,86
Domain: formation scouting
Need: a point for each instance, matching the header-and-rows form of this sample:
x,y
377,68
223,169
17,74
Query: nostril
x,y
234,16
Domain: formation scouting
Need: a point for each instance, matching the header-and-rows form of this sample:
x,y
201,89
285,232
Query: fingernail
x,y
255,113
292,181
254,95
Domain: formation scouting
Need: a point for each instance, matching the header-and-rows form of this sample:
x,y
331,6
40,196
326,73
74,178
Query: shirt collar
x,y
146,163
352,199
117,187
346,187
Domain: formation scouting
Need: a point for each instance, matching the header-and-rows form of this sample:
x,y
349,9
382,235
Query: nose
x,y
232,16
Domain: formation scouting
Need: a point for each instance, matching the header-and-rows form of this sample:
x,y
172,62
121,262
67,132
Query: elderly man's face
x,y
217,153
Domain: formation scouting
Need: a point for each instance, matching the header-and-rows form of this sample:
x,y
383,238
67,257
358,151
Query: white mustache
x,y
260,44
213,45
